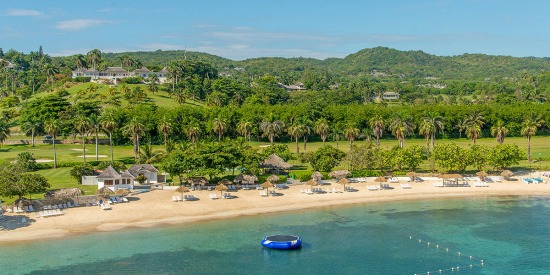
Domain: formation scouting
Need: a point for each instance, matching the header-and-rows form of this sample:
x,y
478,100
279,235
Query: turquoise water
x,y
511,235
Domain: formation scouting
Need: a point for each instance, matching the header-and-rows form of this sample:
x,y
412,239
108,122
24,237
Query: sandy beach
x,y
155,208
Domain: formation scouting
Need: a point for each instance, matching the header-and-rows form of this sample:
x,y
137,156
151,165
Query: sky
x,y
241,29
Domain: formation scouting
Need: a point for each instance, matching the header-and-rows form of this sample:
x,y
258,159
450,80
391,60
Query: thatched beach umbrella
x,y
317,176
482,175
343,182
450,176
267,185
380,180
224,181
275,162
507,174
273,178
182,189
197,181
339,174
104,191
312,182
221,187
412,175
122,192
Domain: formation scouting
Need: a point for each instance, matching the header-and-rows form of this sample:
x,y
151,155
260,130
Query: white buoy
x,y
419,240
446,249
459,254
471,266
471,257
457,268
410,237
428,243
437,246
481,262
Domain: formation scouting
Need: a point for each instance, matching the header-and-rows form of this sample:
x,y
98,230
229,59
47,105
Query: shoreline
x,y
155,208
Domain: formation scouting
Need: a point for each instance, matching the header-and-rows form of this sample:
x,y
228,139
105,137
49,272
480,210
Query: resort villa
x,y
113,74
115,180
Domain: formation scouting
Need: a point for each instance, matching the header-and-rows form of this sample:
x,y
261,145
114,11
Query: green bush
x,y
306,175
82,79
132,80
366,173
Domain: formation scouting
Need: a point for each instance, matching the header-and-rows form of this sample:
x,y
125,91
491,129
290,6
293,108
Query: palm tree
x,y
336,134
95,127
401,127
461,126
219,126
244,128
474,123
271,126
94,57
165,126
79,61
296,131
192,131
50,70
351,133
135,129
30,126
377,124
108,124
431,124
4,131
153,83
305,123
82,125
52,127
529,128
499,131
148,156
322,129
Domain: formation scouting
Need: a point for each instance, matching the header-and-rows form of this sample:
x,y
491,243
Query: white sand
x,y
156,207
44,160
92,156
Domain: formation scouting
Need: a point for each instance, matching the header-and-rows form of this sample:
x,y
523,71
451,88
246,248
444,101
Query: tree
x,y
326,158
153,83
529,129
15,182
295,130
377,124
450,157
95,126
499,131
34,183
431,124
52,127
192,131
147,155
4,131
401,126
244,128
351,133
165,127
94,57
305,124
322,129
108,124
31,126
474,123
271,126
26,161
503,156
219,126
135,129
50,70
82,125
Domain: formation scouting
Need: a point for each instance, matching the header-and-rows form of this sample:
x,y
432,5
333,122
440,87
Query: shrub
x,y
82,79
132,80
366,173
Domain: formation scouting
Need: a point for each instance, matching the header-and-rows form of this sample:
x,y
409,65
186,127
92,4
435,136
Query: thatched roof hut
x,y
197,181
275,162
317,176
64,193
242,178
339,174
273,178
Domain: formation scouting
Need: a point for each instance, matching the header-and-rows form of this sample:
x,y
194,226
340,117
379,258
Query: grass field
x,y
66,153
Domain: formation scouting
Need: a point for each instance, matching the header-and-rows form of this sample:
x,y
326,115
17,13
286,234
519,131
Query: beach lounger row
x,y
393,180
373,188
406,186
190,198
227,196
481,184
105,206
50,213
532,180
385,186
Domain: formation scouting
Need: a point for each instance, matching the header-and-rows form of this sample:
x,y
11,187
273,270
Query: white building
x,y
149,171
113,180
114,74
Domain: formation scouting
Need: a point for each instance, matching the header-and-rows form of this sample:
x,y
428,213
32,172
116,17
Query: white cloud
x,y
77,24
21,12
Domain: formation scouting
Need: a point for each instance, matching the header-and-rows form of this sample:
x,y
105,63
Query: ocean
x,y
494,235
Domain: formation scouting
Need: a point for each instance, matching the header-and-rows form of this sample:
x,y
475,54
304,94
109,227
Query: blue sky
x,y
284,28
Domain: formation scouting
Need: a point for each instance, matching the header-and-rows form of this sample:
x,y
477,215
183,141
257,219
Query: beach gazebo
x,y
274,162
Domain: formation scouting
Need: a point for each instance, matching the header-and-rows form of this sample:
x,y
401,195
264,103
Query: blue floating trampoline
x,y
282,242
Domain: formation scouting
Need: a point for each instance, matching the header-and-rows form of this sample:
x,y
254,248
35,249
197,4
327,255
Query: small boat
x,y
282,242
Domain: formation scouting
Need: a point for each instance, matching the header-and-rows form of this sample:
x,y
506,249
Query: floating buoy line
x,y
474,261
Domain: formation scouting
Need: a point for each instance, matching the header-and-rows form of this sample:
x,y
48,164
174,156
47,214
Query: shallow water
x,y
510,235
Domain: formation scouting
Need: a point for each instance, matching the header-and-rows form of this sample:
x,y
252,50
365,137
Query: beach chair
x,y
213,196
328,190
124,199
174,198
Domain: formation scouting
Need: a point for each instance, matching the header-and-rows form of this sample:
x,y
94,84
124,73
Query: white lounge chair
x,y
174,198
213,196
124,199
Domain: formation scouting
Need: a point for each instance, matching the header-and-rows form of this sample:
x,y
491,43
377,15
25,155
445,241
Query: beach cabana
x,y
243,178
197,181
339,174
275,163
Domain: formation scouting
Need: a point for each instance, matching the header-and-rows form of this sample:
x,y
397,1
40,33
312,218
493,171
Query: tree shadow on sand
x,y
13,222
